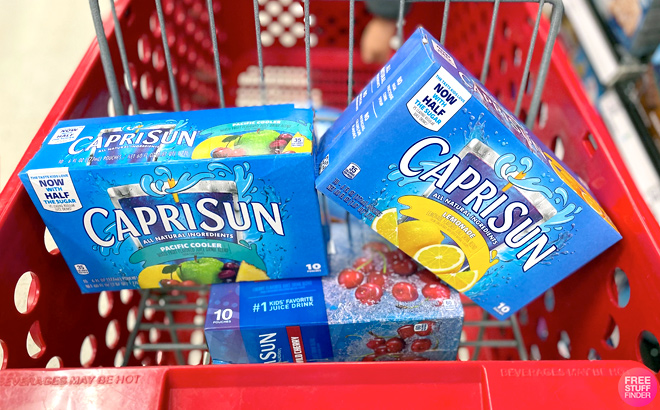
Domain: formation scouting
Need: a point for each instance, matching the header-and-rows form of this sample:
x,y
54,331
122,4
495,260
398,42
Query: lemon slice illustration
x,y
387,226
415,235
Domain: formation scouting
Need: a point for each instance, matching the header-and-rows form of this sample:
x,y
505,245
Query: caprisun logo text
x,y
267,352
502,215
116,138
169,218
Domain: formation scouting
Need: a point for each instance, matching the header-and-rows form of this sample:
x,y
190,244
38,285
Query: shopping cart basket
x,y
191,54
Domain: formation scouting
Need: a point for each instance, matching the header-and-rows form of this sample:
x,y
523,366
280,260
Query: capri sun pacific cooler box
x,y
376,305
431,160
192,197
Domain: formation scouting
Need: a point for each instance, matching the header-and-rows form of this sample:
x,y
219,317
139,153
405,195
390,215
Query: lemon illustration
x,y
387,226
151,276
203,149
415,235
461,281
441,259
446,261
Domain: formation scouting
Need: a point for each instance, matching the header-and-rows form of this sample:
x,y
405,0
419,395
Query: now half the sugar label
x,y
438,100
55,190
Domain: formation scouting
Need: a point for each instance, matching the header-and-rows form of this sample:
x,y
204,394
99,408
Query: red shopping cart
x,y
192,54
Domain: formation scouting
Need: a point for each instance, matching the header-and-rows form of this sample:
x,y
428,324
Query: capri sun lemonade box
x,y
375,305
433,162
191,197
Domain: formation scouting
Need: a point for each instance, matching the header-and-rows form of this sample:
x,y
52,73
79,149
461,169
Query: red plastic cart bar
x,y
433,385
586,312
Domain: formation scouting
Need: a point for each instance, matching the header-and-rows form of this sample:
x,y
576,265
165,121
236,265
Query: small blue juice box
x,y
376,305
428,158
189,197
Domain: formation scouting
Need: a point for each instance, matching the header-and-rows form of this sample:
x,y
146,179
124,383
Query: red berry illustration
x,y
379,263
169,282
406,331
424,328
226,273
420,345
407,357
369,358
427,277
404,292
376,278
374,343
277,146
350,278
231,265
238,152
404,267
395,345
369,293
399,255
364,264
222,152
285,137
391,257
376,247
436,291
380,351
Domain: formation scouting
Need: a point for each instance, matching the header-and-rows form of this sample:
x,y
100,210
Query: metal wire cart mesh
x,y
189,54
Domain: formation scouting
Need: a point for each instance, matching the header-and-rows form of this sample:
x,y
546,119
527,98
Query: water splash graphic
x,y
563,195
476,130
220,169
506,168
401,180
243,180
161,187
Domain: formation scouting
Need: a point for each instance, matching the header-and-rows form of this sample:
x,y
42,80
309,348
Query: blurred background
x,y
41,43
